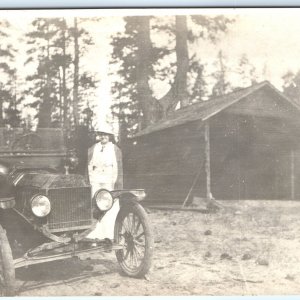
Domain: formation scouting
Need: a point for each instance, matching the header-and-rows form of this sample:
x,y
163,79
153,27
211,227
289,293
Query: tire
x,y
7,269
132,230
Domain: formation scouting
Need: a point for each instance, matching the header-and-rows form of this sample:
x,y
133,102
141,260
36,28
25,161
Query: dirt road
x,y
246,248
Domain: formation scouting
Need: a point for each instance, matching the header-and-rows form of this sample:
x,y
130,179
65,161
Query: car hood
x,y
47,181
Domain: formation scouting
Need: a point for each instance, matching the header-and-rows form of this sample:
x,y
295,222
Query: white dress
x,y
103,173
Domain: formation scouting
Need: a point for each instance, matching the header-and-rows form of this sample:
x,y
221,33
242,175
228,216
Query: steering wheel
x,y
27,141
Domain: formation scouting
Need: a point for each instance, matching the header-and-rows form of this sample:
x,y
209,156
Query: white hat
x,y
105,128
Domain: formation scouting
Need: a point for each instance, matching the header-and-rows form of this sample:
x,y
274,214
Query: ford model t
x,y
47,213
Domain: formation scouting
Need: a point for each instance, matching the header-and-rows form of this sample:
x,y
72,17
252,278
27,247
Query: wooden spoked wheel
x,y
7,270
133,232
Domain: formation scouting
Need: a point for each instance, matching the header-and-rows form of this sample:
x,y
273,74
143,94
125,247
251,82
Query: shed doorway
x,y
251,158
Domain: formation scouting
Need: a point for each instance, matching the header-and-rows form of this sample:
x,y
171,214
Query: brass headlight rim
x,y
95,199
31,204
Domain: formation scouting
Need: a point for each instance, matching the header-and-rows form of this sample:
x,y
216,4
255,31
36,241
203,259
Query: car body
x,y
47,213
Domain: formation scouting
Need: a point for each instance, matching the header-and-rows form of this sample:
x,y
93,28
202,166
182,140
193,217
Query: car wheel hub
x,y
129,239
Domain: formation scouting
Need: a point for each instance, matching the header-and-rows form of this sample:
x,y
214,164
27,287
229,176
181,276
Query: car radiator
x,y
70,197
71,209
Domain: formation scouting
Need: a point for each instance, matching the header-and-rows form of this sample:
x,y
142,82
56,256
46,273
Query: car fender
x,y
7,199
127,197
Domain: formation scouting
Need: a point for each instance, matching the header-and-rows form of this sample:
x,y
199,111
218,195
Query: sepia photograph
x,y
150,152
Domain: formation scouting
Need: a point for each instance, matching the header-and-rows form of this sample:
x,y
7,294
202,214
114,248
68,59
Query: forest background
x,y
133,68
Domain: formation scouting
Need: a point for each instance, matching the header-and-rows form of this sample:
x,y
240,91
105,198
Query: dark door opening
x,y
250,159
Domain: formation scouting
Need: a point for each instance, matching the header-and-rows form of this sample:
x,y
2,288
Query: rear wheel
x,y
7,270
132,230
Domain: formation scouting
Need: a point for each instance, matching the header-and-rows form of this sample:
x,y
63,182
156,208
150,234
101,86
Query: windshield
x,y
20,140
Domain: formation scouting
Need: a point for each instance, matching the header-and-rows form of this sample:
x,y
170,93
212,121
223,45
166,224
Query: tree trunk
x,y
182,60
76,71
46,105
1,113
178,91
60,98
64,87
222,73
149,105
45,111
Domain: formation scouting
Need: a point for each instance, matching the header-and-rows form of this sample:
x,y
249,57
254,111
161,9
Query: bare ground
x,y
246,248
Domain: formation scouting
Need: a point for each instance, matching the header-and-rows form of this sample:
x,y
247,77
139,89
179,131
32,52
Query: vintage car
x,y
47,212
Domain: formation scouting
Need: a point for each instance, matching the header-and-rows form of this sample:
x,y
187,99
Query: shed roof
x,y
206,109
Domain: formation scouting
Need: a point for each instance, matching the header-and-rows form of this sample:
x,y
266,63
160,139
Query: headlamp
x,y
3,170
104,200
40,206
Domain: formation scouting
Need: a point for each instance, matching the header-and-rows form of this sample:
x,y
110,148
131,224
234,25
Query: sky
x,y
269,37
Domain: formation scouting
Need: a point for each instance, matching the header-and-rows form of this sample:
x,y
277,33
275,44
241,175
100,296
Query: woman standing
x,y
105,172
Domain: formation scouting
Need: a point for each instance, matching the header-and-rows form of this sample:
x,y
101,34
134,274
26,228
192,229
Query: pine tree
x,y
140,61
222,84
291,85
247,72
60,85
47,51
197,88
8,76
13,113
84,82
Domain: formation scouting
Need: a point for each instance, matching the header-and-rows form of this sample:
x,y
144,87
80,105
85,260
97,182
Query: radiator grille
x,y
71,208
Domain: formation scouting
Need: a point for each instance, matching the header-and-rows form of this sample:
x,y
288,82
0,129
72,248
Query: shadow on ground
x,y
65,271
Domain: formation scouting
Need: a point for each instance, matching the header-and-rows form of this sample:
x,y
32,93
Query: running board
x,y
26,261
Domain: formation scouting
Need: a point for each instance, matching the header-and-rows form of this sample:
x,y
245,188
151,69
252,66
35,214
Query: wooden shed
x,y
243,145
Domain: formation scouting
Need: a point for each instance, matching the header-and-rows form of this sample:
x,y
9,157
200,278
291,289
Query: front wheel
x,y
132,230
7,270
